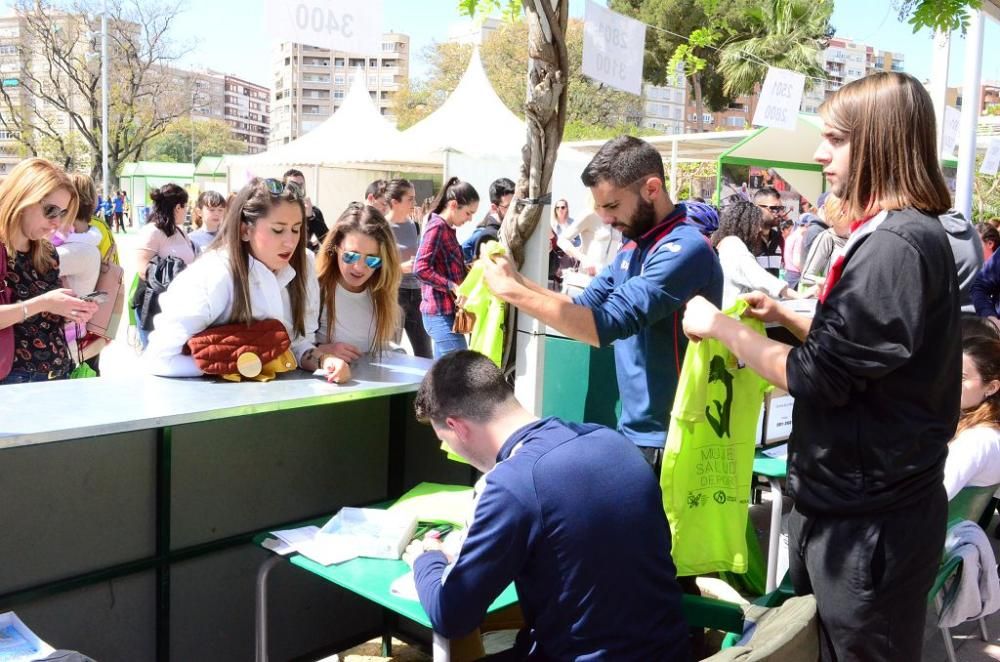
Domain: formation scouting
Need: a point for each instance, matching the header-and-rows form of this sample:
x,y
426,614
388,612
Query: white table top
x,y
44,412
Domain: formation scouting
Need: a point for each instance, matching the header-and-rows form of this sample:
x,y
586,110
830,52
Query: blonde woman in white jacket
x,y
259,270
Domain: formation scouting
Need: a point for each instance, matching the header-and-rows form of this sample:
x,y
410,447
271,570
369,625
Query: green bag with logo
x,y
708,458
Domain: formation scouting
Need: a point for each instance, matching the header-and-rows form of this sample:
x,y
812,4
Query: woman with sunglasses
x,y
35,199
359,276
257,268
440,263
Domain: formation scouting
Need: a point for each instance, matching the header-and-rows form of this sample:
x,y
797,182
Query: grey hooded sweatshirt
x,y
967,248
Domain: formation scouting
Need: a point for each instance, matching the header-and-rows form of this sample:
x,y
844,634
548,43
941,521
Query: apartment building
x,y
843,61
243,105
664,106
20,56
989,95
310,83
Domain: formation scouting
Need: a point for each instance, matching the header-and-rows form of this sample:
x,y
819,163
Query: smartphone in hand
x,y
97,296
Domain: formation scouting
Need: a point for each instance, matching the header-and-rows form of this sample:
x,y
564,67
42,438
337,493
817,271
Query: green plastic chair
x,y
971,503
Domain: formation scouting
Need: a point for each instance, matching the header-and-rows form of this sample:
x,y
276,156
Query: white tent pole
x,y
530,356
673,170
941,55
315,197
970,113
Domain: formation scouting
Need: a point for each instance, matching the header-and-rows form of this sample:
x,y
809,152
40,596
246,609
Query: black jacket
x,y
877,381
316,225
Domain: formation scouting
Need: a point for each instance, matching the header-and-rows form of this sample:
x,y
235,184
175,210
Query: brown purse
x,y
464,321
257,351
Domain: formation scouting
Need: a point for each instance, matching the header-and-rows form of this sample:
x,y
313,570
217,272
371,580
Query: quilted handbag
x,y
232,351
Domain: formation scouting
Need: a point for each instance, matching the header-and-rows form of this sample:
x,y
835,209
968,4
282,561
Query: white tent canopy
x,y
472,120
356,133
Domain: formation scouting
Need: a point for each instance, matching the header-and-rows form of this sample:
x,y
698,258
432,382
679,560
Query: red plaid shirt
x,y
439,265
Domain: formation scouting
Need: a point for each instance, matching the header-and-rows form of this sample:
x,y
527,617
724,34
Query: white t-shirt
x,y
741,273
355,320
973,459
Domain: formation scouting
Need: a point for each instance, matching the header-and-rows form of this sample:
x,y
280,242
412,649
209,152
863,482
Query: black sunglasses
x,y
52,212
775,209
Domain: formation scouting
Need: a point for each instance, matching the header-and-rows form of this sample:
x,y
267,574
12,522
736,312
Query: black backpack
x,y
160,272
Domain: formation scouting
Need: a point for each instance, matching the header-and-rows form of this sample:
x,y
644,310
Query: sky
x,y
231,35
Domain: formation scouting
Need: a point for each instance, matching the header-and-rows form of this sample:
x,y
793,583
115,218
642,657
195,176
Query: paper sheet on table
x,y
434,502
303,541
18,642
777,452
405,587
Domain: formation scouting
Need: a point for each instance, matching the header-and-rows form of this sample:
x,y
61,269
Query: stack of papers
x,y
18,643
306,541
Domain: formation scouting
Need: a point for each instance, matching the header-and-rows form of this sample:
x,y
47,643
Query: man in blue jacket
x,y
637,301
570,513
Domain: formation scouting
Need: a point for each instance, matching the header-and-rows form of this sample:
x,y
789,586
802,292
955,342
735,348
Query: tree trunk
x,y
699,102
545,115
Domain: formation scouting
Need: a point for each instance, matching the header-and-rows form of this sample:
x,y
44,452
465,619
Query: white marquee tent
x,y
341,156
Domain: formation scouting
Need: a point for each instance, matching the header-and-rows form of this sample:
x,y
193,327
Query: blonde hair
x,y
28,184
253,202
888,119
383,285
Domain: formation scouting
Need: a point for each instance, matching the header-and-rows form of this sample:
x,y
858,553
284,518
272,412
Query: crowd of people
x,y
897,397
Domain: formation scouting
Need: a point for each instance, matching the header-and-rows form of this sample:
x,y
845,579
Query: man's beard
x,y
642,221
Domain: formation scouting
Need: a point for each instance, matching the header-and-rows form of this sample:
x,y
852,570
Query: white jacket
x,y
974,591
202,296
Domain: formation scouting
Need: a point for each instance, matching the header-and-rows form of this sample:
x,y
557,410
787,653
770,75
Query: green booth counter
x,y
130,505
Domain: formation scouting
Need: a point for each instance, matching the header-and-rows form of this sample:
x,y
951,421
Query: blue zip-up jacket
x,y
573,516
985,290
638,302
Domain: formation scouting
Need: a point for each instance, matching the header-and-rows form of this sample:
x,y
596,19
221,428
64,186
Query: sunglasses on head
x,y
351,257
52,212
278,187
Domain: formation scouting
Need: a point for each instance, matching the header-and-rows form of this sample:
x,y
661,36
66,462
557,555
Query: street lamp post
x,y
104,100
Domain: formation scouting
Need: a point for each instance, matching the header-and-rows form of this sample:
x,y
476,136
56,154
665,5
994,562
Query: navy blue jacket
x,y
638,302
574,517
986,288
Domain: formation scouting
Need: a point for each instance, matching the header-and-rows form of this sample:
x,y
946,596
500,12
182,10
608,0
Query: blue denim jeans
x,y
24,377
446,341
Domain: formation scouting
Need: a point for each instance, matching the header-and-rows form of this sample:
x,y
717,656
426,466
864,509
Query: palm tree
x,y
789,34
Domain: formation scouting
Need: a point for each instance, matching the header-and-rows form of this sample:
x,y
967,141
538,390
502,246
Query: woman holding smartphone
x,y
35,199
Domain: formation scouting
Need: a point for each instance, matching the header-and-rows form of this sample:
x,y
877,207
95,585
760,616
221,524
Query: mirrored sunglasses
x,y
351,257
52,212
278,187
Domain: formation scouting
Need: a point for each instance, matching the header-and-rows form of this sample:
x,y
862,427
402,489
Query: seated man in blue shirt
x,y
637,301
570,513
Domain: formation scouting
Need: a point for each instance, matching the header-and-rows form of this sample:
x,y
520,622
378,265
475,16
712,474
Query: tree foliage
x,y
789,34
207,137
59,81
592,108
943,15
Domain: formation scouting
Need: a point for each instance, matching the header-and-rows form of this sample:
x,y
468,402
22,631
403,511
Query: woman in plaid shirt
x,y
440,265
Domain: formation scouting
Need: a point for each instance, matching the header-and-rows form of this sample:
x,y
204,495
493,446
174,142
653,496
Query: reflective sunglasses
x,y
351,257
775,209
278,187
52,212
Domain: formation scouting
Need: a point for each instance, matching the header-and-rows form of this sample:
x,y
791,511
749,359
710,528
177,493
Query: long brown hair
x,y
888,119
252,203
985,353
28,184
383,285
